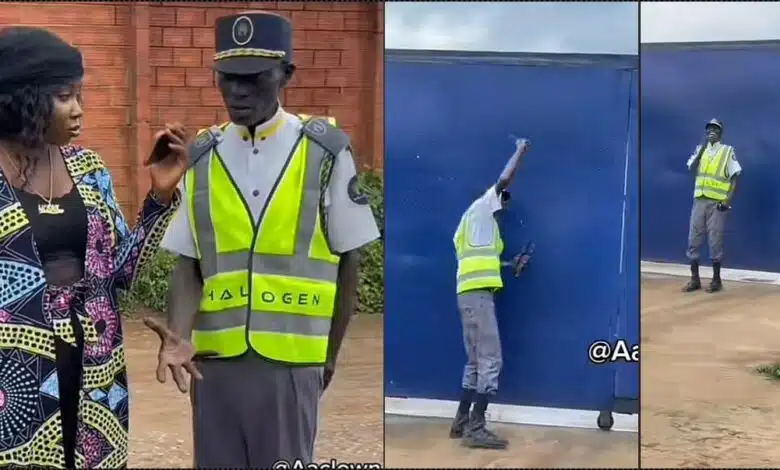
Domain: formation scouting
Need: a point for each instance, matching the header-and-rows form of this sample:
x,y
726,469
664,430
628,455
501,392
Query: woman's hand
x,y
168,161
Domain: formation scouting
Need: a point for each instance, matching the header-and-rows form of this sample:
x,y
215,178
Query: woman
x,y
65,251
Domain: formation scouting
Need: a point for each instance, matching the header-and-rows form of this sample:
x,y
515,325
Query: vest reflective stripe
x,y
711,180
271,264
271,286
478,267
272,322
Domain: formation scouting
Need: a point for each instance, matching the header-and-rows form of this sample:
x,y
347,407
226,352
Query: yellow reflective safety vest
x,y
479,267
711,179
269,284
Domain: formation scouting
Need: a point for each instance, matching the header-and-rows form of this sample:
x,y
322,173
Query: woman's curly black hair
x,y
25,117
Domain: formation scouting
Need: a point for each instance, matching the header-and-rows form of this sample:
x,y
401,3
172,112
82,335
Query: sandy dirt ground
x,y
424,443
351,418
702,403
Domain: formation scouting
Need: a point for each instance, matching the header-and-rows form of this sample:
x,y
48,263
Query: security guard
x,y
717,170
478,246
267,242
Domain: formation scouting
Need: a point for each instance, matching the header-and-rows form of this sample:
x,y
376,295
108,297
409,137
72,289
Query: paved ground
x,y
702,404
350,422
424,443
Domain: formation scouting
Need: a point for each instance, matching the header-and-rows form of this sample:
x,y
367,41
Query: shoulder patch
x,y
329,137
204,142
353,190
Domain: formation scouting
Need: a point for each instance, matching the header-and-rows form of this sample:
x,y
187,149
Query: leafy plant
x,y
150,289
371,286
771,371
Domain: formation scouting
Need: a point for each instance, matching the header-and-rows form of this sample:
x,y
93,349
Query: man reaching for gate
x,y
478,246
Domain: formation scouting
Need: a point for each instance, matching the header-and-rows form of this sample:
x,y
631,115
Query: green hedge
x,y
150,289
371,288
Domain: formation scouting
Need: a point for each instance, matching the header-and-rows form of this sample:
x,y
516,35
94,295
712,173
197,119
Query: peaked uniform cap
x,y
252,42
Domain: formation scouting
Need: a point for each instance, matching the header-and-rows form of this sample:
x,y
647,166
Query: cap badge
x,y
243,30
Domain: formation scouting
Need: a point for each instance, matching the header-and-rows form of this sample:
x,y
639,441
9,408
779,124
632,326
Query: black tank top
x,y
62,235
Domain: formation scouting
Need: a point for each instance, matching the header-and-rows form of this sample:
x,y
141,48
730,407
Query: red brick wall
x,y
148,63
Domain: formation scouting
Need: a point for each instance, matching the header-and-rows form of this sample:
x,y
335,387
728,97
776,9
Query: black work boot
x,y
716,285
462,417
477,435
695,282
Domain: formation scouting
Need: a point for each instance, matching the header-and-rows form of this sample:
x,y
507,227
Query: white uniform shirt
x,y
733,167
481,219
255,168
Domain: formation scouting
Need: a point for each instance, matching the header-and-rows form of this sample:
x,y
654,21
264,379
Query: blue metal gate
x,y
627,375
448,119
683,87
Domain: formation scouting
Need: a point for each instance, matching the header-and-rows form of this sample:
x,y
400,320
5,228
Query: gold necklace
x,y
48,208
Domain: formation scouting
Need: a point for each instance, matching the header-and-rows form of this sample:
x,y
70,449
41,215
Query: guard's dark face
x,y
251,99
713,134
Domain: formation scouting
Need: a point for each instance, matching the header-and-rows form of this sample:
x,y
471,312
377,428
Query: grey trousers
x,y
482,342
707,220
249,413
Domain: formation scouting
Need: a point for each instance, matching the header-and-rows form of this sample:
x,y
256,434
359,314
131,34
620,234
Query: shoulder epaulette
x,y
203,144
326,135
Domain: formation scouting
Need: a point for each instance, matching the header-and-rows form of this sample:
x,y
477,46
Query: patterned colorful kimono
x,y
32,313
